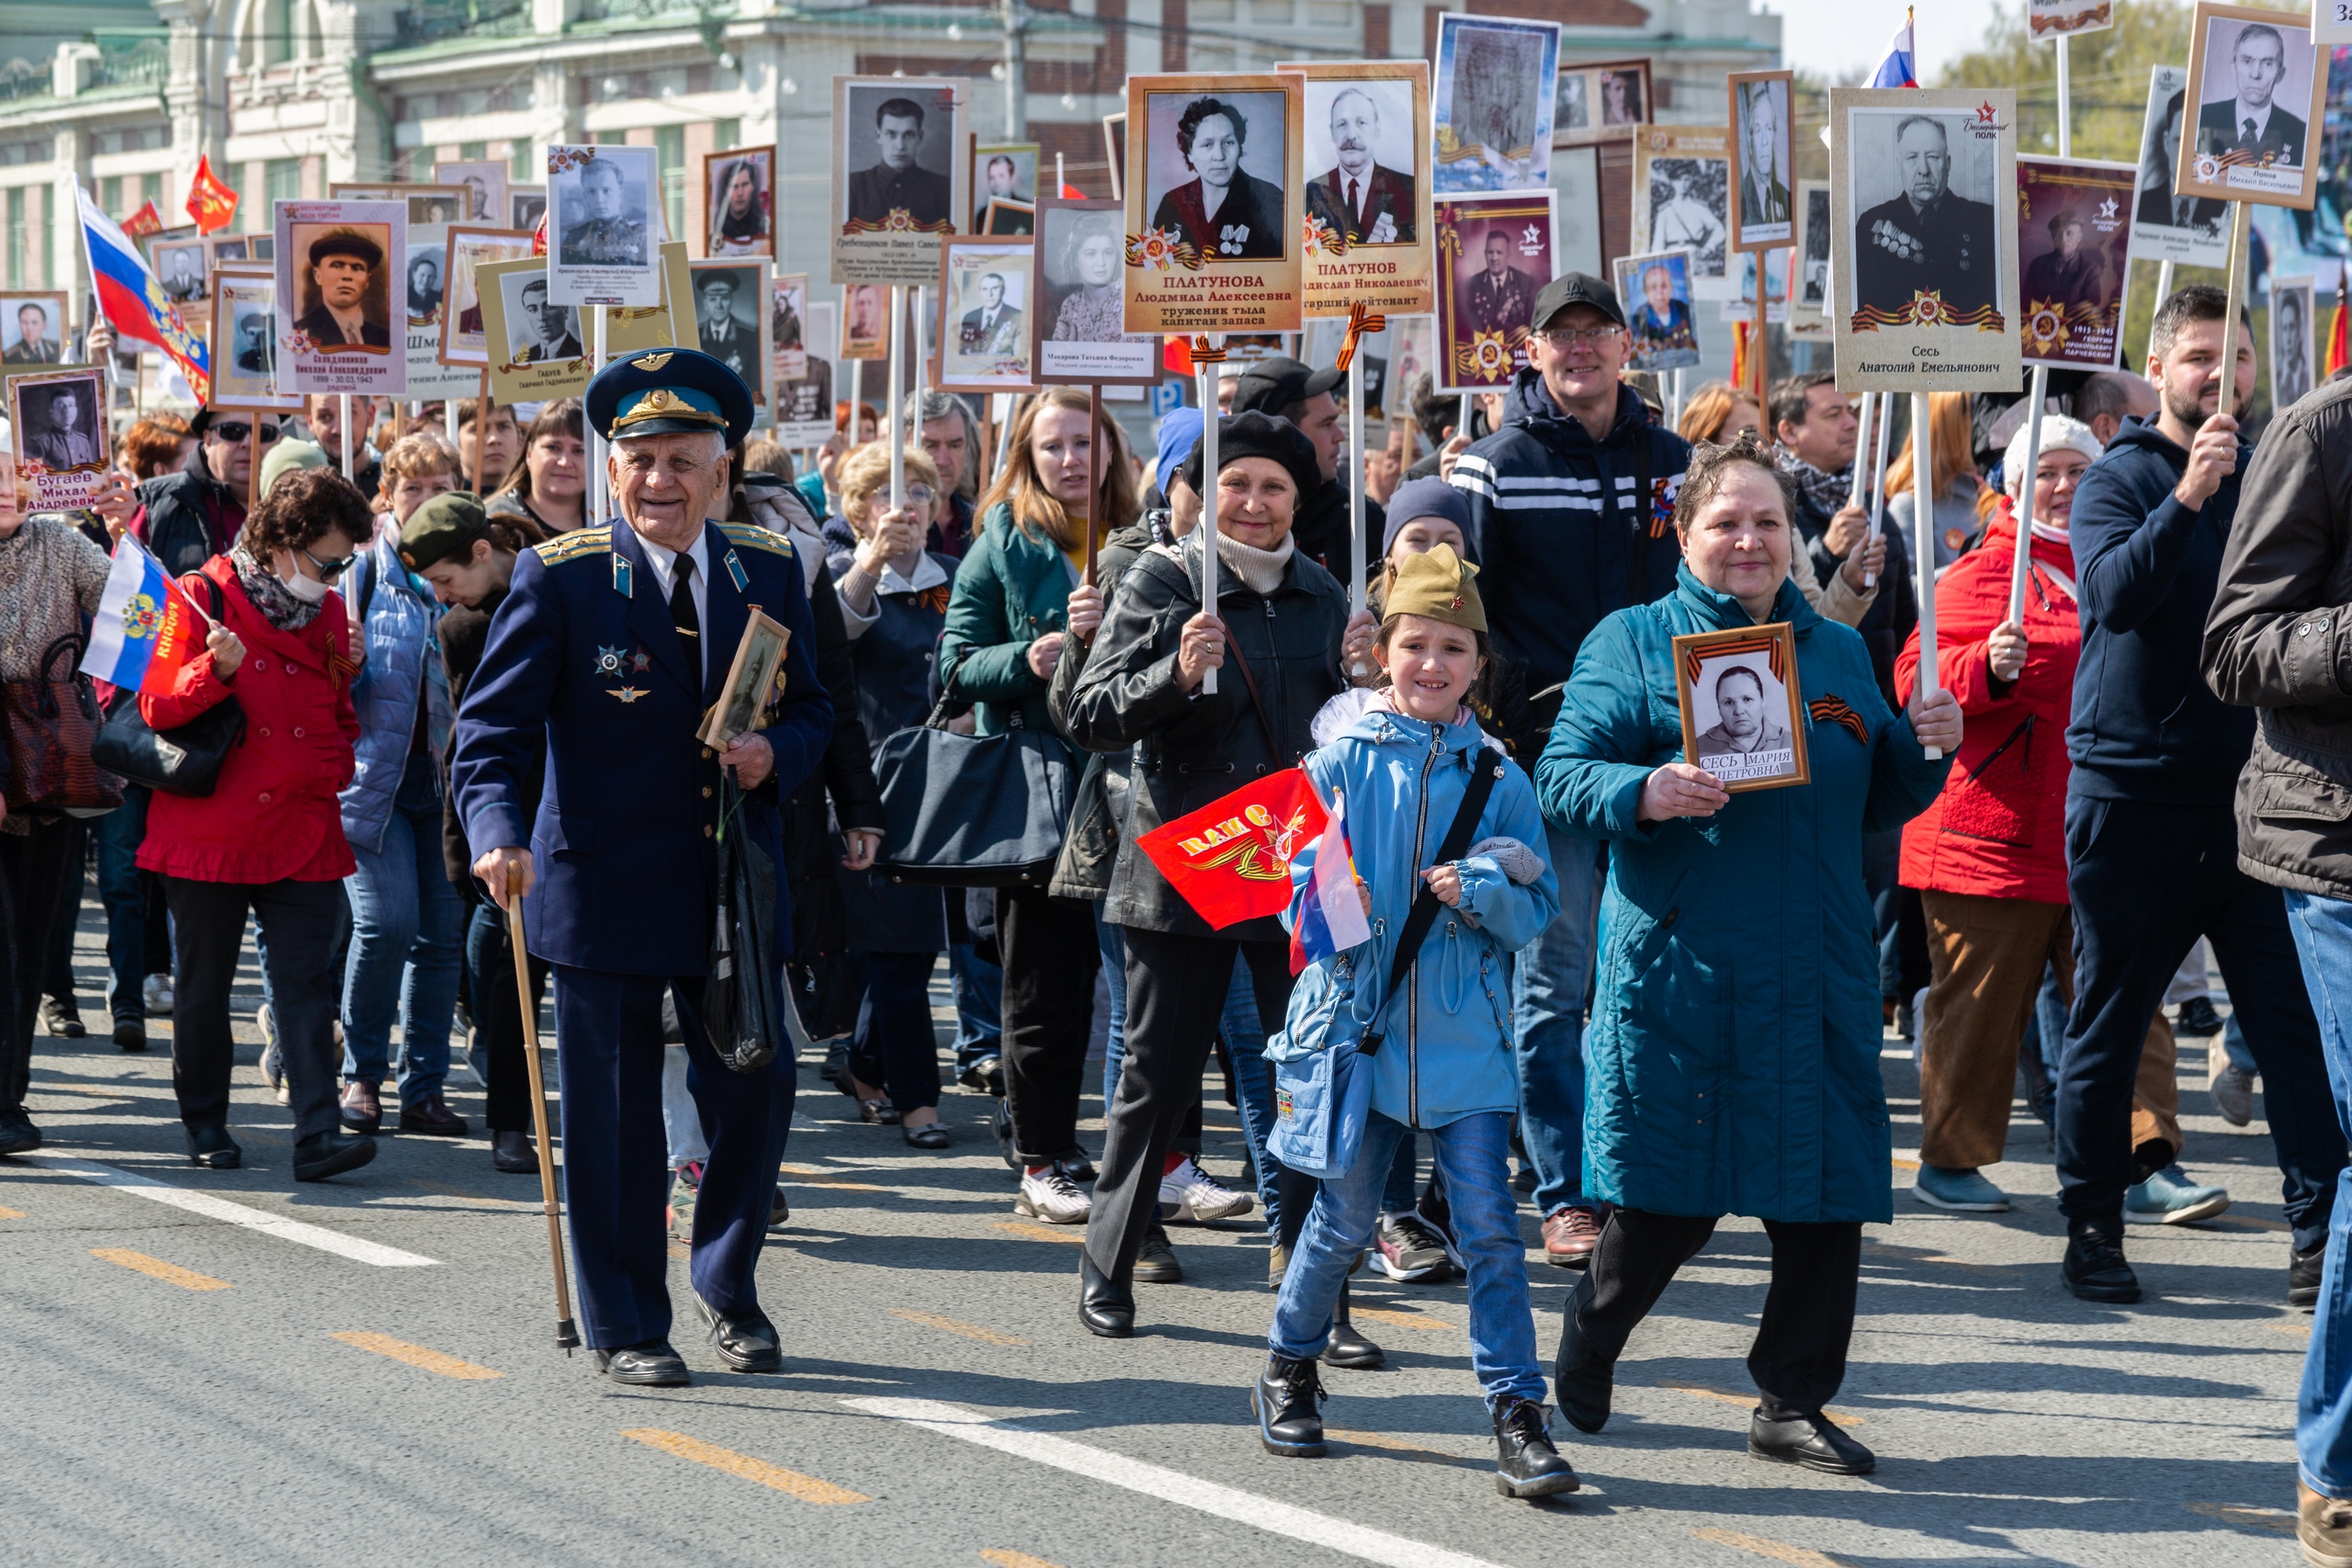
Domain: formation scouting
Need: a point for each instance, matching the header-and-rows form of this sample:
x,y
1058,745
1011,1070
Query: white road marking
x,y
228,1213
1170,1485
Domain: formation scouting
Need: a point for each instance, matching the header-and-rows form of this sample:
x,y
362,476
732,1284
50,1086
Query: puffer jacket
x,y
1191,746
185,519
1998,830
403,669
1447,1049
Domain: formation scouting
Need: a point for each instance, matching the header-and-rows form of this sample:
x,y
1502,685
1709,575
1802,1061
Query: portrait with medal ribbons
x,y
1494,252
2252,125
2074,245
901,179
1214,212
1367,168
739,202
604,225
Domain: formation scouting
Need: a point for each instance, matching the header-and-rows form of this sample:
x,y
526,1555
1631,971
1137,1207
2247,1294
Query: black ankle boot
x,y
1581,1379
1106,1308
1346,1348
1288,1400
1526,1464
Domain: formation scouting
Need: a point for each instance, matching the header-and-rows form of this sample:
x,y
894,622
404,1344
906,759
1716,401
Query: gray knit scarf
x,y
1826,491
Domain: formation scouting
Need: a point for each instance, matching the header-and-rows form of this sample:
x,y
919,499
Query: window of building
x,y
670,157
281,180
278,37
111,196
472,152
16,237
41,246
519,164
150,188
726,133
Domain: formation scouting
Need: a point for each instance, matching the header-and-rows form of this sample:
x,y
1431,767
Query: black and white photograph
x,y
787,327
730,319
485,182
1212,201
539,330
2256,81
1763,158
1742,716
1600,102
1079,336
1812,247
604,224
244,338
739,198
32,328
59,420
2292,342
900,178
223,249
1214,173
1005,174
1492,100
526,205
804,403
538,349
1682,199
2166,227
338,266
1009,217
179,267
1362,160
1574,112
986,292
425,288
1626,92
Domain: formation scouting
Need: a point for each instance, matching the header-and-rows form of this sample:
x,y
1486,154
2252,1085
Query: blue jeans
x,y
1474,1157
124,892
2322,928
406,923
1549,978
978,988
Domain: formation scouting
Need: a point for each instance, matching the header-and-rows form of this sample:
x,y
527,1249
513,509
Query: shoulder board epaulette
x,y
572,546
756,538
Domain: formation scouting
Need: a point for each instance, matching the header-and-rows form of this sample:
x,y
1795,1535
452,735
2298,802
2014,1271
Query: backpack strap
x,y
1484,773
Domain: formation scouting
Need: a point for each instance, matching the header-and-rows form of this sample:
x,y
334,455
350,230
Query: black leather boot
x,y
1104,1306
1526,1464
1288,1401
1346,1348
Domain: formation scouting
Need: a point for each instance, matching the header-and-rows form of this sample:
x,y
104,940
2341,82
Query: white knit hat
x,y
2058,434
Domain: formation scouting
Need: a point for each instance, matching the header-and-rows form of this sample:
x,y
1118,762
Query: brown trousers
x,y
1988,956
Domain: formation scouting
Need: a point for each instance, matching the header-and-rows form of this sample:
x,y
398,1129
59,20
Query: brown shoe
x,y
1569,1237
433,1116
2324,1528
362,1111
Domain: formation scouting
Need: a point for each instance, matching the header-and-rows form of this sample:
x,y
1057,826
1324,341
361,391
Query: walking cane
x,y
566,1336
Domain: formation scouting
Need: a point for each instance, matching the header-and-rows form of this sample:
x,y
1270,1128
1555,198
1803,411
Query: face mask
x,y
309,590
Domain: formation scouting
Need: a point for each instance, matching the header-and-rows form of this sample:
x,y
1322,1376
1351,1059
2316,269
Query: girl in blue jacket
x,y
1403,769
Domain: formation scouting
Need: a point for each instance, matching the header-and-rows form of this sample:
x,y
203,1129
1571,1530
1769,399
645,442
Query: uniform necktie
x,y
2246,138
1355,211
682,605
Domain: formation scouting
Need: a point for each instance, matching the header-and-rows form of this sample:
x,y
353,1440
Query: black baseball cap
x,y
1573,288
1270,385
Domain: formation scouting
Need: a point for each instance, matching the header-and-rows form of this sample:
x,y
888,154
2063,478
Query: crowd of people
x,y
2011,865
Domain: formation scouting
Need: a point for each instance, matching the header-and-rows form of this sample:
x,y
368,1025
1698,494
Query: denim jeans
x,y
976,986
1473,1155
2322,928
407,921
680,1118
1549,979
123,891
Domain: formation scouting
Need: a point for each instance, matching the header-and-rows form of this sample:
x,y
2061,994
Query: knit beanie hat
x,y
288,456
1430,497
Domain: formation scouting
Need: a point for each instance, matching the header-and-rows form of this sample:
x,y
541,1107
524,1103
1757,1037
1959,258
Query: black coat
x,y
1321,531
191,516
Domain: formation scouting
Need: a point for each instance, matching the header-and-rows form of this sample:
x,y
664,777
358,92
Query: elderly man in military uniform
x,y
256,355
898,182
1497,299
33,344
1925,239
604,237
71,441
612,642
343,261
725,337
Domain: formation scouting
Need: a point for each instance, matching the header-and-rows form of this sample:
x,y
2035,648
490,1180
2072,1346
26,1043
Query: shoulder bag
x,y
186,760
53,728
971,811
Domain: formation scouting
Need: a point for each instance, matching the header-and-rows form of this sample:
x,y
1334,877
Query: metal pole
x,y
599,482
1004,431
1355,489
1461,419
482,425
1674,402
1098,471
1016,70
350,469
566,1334
1923,543
1861,491
2065,118
2020,567
898,412
1208,505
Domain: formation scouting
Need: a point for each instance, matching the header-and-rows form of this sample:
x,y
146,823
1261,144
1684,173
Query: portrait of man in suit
x,y
2249,125
548,331
1357,196
33,344
896,179
1763,171
1499,297
994,328
2159,208
723,331
341,268
1927,237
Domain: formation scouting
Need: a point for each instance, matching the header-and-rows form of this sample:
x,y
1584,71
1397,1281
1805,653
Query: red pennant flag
x,y
2339,331
1176,354
1071,192
1231,858
539,237
143,222
210,202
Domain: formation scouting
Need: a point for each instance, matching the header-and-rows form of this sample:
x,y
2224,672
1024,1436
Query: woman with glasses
x,y
268,841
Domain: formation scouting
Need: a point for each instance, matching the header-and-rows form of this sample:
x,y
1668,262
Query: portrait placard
x,y
2256,82
1412,354
1010,217
1654,290
58,415
464,338
1215,211
604,225
900,182
32,326
1114,151
1077,321
866,321
1811,305
220,250
537,350
1367,172
2051,18
1494,254
425,297
739,202
1005,172
1763,159
1743,714
2165,227
751,678
2074,244
178,260
526,205
2292,319
1606,102
1741,305
1319,343
787,327
1682,199
988,296
1924,276
244,342
661,325
337,264
803,403
731,318
485,182
1493,97
356,190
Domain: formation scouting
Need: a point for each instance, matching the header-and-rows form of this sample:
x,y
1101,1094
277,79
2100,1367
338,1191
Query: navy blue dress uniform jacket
x,y
584,663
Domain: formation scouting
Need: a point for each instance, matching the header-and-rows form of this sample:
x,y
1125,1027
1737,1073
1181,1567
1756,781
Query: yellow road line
x,y
949,1324
842,1186
1383,1440
1906,1165
807,1488
154,1268
1003,1559
826,1176
1725,1396
11,1214
2298,1330
1043,1232
2276,1521
1401,1319
417,1356
1764,1545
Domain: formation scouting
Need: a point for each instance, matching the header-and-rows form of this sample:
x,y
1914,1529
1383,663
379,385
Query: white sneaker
x,y
1053,1197
155,991
1190,1195
265,1022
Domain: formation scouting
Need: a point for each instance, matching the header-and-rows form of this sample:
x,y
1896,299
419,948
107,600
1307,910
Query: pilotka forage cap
x,y
1438,585
446,525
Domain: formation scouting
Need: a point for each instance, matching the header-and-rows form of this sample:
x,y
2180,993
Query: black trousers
x,y
57,974
32,870
498,1020
1050,958
1799,1356
298,922
1176,989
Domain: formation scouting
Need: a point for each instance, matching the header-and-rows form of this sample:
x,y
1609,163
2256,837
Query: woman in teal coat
x,y
1734,1054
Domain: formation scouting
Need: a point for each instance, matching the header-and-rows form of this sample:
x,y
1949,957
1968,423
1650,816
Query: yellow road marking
x,y
417,1356
807,1488
19,1213
1003,1559
1764,1545
843,1186
969,1330
1401,1319
2298,1330
154,1268
1041,1232
2278,1521
1724,1397
1383,1440
1910,1163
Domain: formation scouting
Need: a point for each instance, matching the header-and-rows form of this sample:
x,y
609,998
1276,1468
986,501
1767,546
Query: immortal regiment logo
x,y
1162,250
899,220
1323,238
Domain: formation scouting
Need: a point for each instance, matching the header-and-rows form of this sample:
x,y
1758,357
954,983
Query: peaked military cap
x,y
669,392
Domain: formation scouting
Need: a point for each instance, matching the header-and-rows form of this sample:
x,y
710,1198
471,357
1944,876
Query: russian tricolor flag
x,y
1899,67
145,631
1331,921
135,302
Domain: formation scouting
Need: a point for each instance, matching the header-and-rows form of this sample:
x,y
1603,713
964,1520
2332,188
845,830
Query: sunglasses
x,y
328,571
235,430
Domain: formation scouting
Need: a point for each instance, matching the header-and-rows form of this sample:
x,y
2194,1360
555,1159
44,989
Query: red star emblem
x,y
1984,114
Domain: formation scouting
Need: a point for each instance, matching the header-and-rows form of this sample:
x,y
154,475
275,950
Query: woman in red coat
x,y
268,838
1990,856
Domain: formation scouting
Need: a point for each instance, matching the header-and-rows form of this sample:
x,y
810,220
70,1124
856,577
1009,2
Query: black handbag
x,y
740,1000
971,811
186,760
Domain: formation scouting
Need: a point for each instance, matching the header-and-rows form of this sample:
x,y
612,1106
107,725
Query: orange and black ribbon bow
x,y
1204,354
1360,324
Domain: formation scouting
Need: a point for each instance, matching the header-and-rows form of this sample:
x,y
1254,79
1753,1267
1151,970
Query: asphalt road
x,y
183,1386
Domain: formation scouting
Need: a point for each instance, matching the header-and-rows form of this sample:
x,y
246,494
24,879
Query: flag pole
x,y
897,425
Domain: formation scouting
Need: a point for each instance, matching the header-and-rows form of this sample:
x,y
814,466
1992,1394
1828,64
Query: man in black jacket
x,y
2151,845
1285,389
188,517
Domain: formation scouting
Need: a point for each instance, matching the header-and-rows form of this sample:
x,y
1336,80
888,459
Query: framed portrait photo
x,y
730,307
337,263
1009,217
485,182
1654,290
179,260
901,182
1740,306
750,681
604,226
1005,172
987,296
803,403
1682,199
223,250
1412,354
1496,252
2293,317
1367,167
32,326
244,342
2074,245
2165,227
1924,274
1115,151
1810,303
1763,159
465,334
1604,102
526,205
57,414
663,324
1213,217
537,348
739,202
865,321
787,327
1742,716
2252,115
1078,322
1492,102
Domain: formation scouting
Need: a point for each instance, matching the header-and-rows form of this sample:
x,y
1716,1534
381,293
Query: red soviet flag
x,y
211,203
1231,858
143,222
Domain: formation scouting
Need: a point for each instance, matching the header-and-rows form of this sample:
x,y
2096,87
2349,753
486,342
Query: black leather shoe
x,y
1156,1264
1106,1308
2095,1270
747,1341
1346,1348
1287,1399
17,1133
1582,1381
130,1033
1813,1441
323,1155
1526,1464
2302,1275
652,1364
212,1148
515,1154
